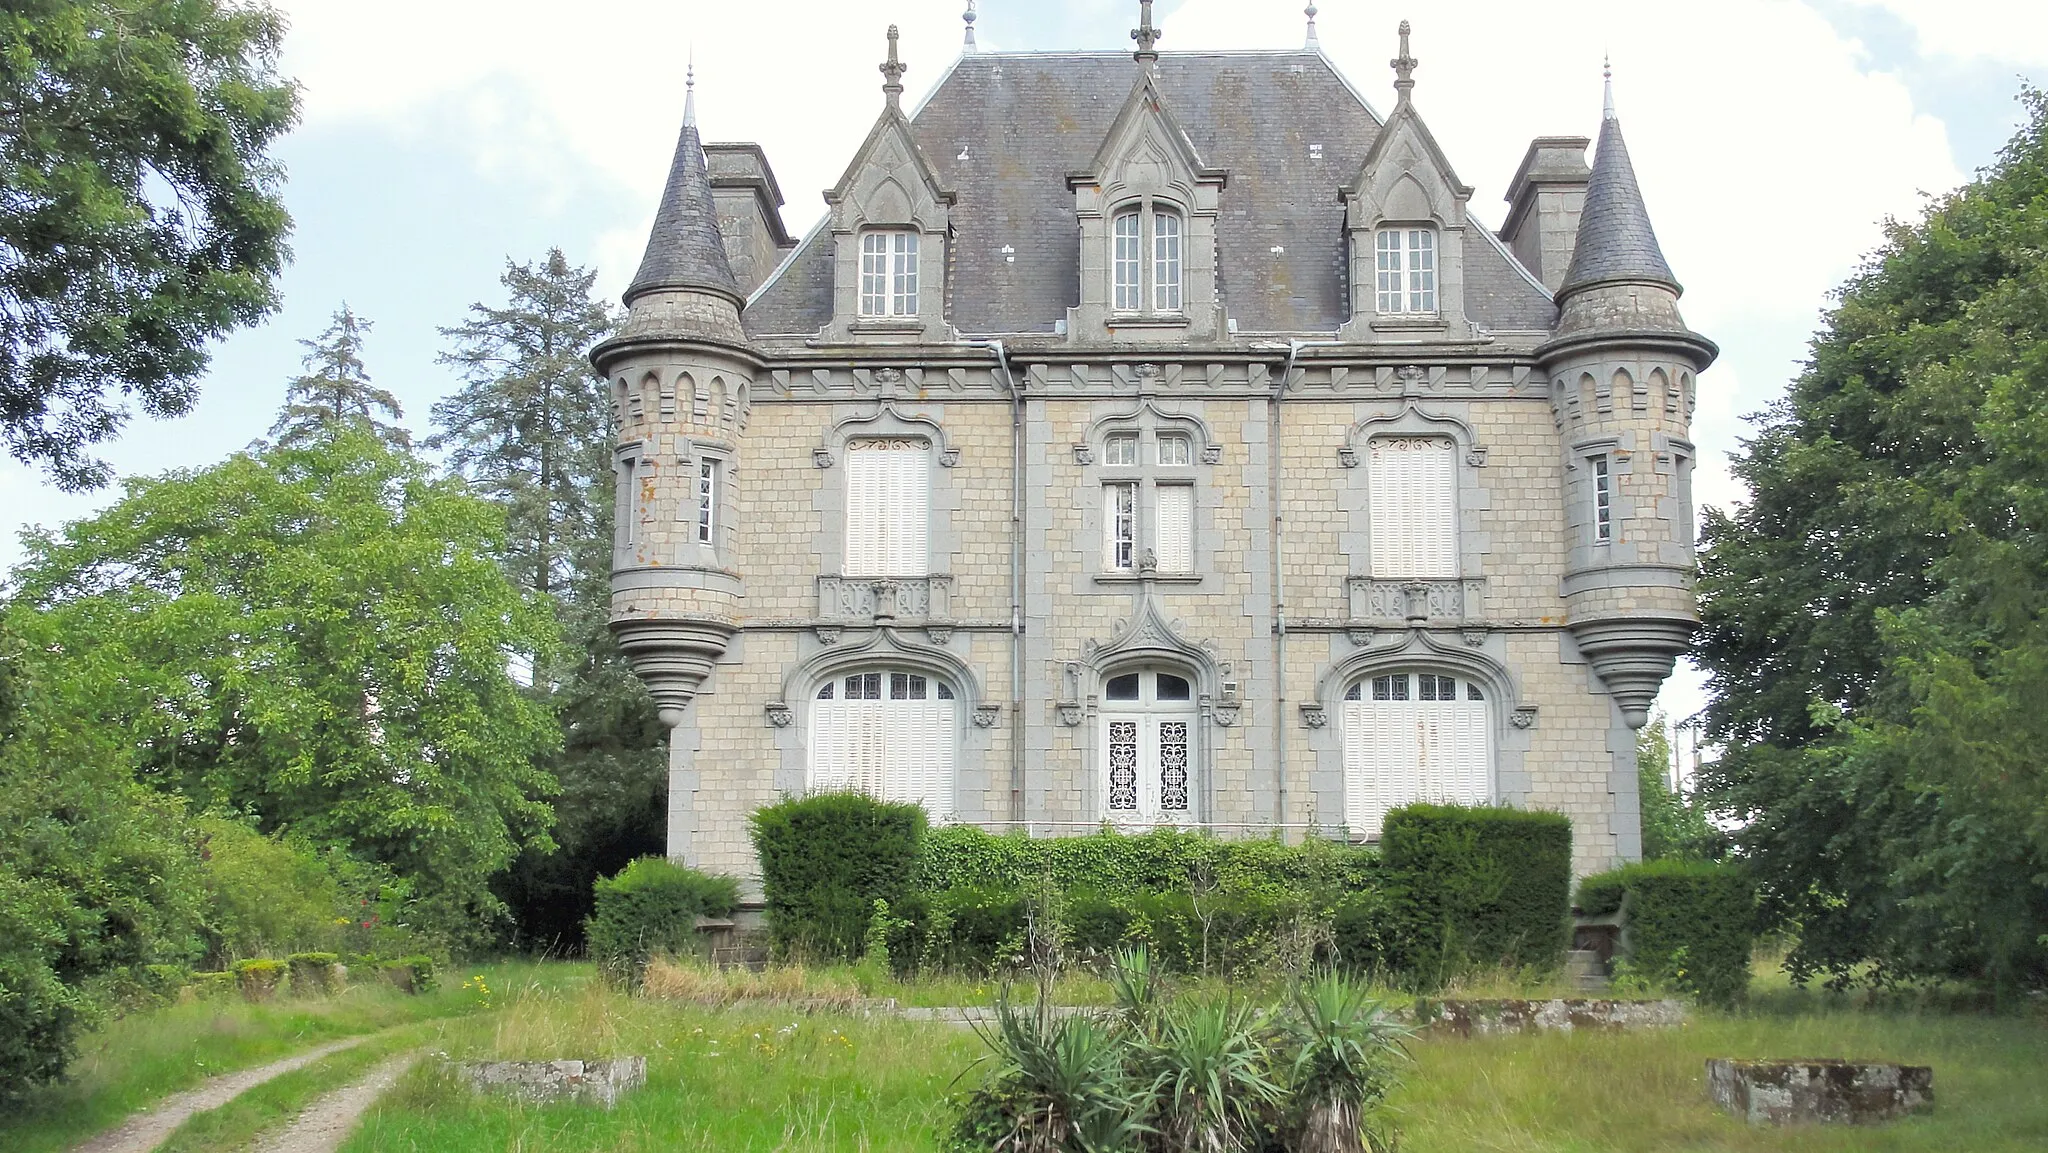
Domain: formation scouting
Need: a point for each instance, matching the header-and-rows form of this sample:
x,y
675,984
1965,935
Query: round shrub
x,y
651,906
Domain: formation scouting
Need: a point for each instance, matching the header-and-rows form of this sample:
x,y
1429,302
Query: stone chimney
x,y
749,211
1545,198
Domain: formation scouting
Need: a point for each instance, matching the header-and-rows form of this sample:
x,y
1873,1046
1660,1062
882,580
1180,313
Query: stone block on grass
x,y
1828,1090
1485,1017
547,1082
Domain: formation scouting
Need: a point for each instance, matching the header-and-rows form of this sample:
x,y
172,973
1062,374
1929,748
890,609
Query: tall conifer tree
x,y
335,392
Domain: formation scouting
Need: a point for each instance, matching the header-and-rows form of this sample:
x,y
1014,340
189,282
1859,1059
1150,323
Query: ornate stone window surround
x,y
1510,718
669,396
1147,210
1148,424
789,715
888,186
1405,182
846,600
629,514
1618,448
1445,601
691,452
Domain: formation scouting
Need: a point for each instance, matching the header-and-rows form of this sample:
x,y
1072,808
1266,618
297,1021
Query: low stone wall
x,y
1484,1018
544,1082
1783,1092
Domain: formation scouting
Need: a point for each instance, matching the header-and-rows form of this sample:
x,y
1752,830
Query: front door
x,y
1148,728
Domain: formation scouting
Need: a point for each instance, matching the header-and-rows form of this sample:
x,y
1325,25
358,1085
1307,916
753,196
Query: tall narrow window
x,y
1603,501
1412,497
1120,526
1407,269
1414,737
626,511
1147,748
888,733
888,487
707,500
1165,262
1124,261
888,273
1176,536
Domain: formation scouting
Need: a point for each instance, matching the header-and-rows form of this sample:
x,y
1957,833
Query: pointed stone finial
x,y
1312,44
1607,76
690,92
1146,35
1404,69
968,16
892,73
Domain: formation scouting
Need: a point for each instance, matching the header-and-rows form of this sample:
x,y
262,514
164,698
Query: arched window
x,y
1138,284
888,733
888,272
1407,269
1413,505
1148,734
1414,736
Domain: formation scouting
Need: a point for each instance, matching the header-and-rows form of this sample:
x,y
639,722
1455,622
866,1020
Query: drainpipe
x,y
1016,576
1275,487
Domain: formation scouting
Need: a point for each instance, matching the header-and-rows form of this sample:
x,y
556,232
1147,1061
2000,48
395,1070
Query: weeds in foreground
x,y
694,981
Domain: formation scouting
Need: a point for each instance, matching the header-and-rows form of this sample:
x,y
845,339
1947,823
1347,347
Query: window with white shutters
x,y
1148,753
888,499
1412,484
1414,736
1176,536
1148,498
889,733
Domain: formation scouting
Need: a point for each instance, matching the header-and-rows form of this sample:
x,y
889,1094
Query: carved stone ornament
x,y
1359,637
1147,372
1083,454
1347,456
1476,456
828,634
1524,717
949,457
1070,713
778,714
1313,716
1212,454
940,634
822,457
1226,715
1411,377
985,716
888,375
1474,638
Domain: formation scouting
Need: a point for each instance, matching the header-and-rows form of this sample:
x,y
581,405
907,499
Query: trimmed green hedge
x,y
1476,887
651,906
825,861
1120,865
1690,925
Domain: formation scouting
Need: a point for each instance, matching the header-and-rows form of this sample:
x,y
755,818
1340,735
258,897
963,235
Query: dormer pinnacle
x,y
892,73
1607,88
1146,35
685,249
1312,44
690,93
968,47
1404,69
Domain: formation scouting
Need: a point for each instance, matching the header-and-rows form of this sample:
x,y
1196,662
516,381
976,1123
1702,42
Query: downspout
x,y
1016,577
1275,486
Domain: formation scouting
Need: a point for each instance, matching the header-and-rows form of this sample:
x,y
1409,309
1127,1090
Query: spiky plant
x,y
1346,1052
1060,1084
1212,1079
1138,985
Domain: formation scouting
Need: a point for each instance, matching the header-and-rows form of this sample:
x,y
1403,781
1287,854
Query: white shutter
x,y
865,480
828,746
1382,754
867,746
1176,535
1413,506
1470,770
909,504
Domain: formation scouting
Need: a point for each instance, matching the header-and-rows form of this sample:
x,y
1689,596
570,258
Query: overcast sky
x,y
1771,138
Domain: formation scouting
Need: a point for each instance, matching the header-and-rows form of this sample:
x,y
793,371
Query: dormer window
x,y
1145,259
1407,270
888,272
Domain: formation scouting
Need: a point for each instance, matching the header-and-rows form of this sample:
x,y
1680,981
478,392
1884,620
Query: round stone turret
x,y
1622,366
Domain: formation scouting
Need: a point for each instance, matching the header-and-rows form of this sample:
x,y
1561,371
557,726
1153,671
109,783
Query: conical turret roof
x,y
685,249
1615,242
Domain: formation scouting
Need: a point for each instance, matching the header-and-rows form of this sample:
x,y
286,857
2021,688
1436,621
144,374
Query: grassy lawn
x,y
145,1056
753,1078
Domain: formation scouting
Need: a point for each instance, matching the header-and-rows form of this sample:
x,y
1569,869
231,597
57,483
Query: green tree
x,y
335,392
1874,616
316,636
139,209
1672,826
531,428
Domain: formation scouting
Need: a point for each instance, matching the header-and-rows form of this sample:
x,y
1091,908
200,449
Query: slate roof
x,y
1027,120
1615,240
685,249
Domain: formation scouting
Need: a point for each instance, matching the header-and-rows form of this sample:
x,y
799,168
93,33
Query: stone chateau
x,y
1153,438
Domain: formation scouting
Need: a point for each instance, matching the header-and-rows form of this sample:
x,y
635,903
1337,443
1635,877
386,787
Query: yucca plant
x,y
1212,1079
1346,1049
1061,1084
1138,985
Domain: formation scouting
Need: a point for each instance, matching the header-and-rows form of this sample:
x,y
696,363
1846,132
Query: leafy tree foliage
x,y
139,210
1877,615
1672,826
316,636
335,392
531,429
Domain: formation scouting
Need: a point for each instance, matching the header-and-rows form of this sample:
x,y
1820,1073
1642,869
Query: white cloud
x,y
2012,31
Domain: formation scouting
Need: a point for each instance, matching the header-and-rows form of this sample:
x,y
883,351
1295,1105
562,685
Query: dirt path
x,y
146,1130
327,1122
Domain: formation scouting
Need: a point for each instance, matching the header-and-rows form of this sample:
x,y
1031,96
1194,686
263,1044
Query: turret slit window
x,y
888,273
1407,270
888,498
1138,284
889,733
1148,748
707,501
626,509
1603,501
1414,736
1413,506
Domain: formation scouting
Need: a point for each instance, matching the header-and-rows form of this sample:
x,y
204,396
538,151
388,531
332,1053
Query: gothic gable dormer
x,y
890,224
1147,207
1405,223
